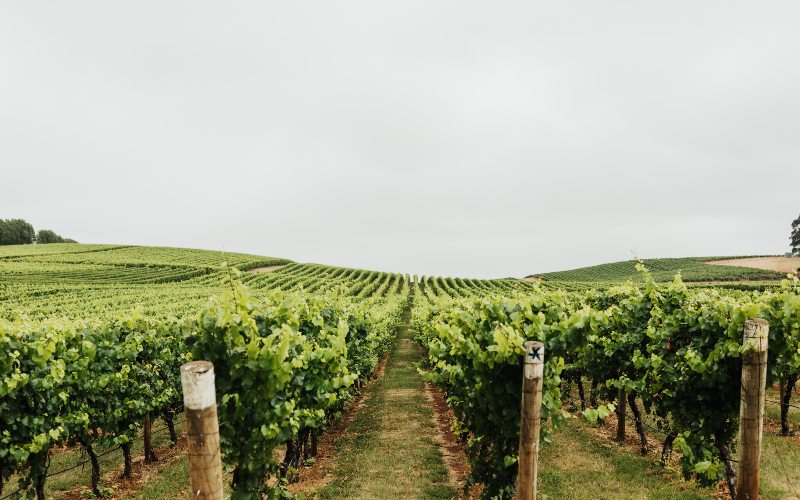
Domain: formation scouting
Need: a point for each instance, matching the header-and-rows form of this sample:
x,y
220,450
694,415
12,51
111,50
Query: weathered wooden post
x,y
530,423
202,429
621,404
751,407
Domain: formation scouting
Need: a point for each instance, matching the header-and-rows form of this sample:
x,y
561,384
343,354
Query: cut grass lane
x,y
389,449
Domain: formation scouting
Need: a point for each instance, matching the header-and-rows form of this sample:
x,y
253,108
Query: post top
x,y
197,382
534,352
198,367
756,333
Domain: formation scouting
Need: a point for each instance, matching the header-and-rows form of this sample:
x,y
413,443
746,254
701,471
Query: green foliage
x,y
90,344
46,236
63,382
475,353
602,412
76,365
20,232
678,349
795,237
663,270
64,263
16,232
46,269
41,368
281,364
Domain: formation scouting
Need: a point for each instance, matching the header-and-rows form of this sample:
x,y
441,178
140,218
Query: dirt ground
x,y
780,264
268,269
532,279
453,452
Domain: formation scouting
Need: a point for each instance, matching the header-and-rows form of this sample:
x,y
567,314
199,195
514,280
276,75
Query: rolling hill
x,y
692,269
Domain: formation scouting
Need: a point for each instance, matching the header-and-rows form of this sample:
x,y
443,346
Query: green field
x,y
95,281
692,269
89,281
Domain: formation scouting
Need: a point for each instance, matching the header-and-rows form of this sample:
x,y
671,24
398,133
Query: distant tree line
x,y
21,232
48,236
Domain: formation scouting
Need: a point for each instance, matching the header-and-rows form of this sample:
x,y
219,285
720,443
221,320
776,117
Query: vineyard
x,y
92,338
692,269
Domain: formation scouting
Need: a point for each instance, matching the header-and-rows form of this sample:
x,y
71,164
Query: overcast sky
x,y
481,139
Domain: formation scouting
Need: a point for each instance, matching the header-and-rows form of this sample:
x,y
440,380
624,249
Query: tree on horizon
x,y
45,236
16,232
21,232
796,236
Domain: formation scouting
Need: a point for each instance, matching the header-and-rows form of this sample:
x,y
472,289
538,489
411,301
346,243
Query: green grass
x,y
389,449
172,481
780,466
578,465
691,269
780,455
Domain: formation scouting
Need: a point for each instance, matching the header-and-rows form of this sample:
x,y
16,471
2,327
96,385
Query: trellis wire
x,y
84,462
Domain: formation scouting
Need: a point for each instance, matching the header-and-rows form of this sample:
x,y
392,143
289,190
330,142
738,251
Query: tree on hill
x,y
20,232
796,236
47,236
16,232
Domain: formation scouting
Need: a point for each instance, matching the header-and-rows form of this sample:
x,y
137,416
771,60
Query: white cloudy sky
x,y
449,138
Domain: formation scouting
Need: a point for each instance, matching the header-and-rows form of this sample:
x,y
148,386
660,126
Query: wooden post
x,y
621,404
202,429
751,407
149,455
530,424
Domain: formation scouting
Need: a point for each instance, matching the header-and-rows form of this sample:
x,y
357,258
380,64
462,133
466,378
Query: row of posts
x,y
202,427
751,413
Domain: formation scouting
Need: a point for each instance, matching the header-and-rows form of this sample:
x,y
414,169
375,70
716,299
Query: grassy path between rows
x,y
389,449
